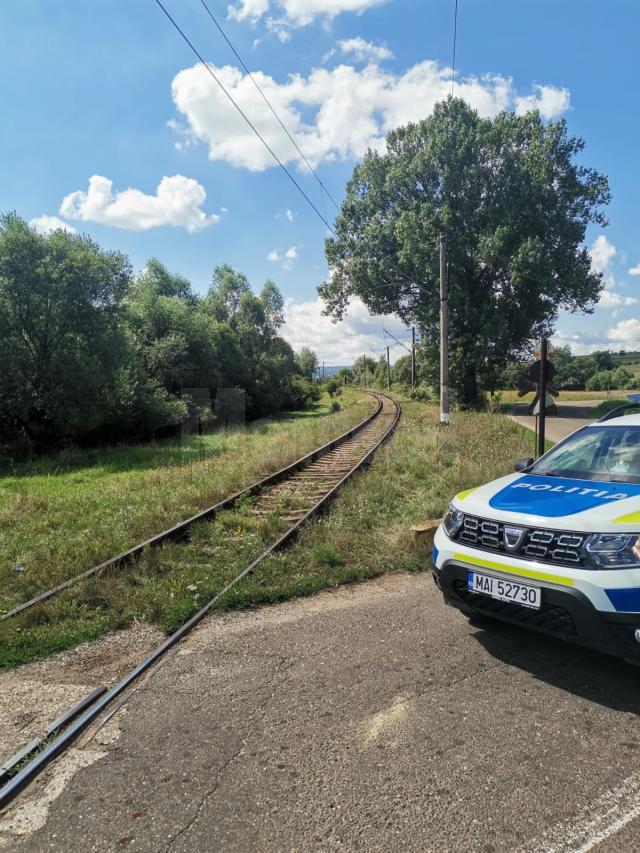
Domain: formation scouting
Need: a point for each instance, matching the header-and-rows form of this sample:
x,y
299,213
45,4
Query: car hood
x,y
556,502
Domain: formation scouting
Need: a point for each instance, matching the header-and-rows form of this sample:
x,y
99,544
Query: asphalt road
x,y
570,417
369,718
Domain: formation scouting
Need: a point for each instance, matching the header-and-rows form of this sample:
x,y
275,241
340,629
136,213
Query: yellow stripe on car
x,y
629,518
514,570
462,495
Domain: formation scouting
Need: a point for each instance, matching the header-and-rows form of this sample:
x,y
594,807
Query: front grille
x,y
551,618
529,543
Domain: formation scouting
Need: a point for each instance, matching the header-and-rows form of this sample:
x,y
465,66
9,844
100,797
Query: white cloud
x,y
251,10
176,202
346,111
551,101
635,271
581,344
625,334
290,215
280,28
339,343
46,224
609,299
286,258
602,253
298,13
364,51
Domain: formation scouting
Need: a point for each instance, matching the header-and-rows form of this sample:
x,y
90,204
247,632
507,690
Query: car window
x,y
610,453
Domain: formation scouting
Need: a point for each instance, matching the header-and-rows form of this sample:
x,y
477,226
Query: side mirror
x,y
523,464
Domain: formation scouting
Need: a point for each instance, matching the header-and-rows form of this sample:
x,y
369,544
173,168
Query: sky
x,y
110,126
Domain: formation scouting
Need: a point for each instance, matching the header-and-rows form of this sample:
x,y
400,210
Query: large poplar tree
x,y
513,199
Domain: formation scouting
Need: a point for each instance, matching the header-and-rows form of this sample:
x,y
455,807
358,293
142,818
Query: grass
x,y
608,406
366,533
511,396
62,514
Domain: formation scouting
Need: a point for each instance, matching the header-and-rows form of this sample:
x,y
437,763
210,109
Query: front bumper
x,y
566,613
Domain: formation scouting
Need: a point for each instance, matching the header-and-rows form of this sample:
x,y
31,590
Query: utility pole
x,y
364,362
444,334
413,356
323,371
388,372
542,389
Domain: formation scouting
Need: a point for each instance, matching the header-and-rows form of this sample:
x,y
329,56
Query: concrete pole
x,y
413,356
388,371
444,334
542,388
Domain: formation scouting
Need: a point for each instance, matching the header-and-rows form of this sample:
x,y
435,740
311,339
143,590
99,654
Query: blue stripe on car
x,y
434,555
626,600
552,497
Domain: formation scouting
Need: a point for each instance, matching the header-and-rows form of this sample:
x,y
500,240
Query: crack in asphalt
x,y
284,666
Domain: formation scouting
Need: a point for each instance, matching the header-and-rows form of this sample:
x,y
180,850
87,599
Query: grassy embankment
x,y
366,533
511,396
608,406
65,513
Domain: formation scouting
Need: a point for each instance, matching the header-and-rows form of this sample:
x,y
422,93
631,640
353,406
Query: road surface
x,y
571,416
369,718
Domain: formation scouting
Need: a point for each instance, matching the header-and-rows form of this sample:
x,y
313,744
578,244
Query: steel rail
x,y
30,771
181,529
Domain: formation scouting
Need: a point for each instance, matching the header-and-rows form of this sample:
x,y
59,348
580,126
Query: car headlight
x,y
614,550
453,521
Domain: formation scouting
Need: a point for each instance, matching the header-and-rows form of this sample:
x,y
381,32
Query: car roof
x,y
623,421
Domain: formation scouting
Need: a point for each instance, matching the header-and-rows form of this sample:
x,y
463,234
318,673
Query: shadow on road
x,y
600,678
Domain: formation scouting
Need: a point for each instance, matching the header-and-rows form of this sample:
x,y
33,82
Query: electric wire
x,y
269,104
455,38
259,135
245,117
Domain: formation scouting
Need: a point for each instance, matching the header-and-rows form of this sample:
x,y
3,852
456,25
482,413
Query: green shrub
x,y
326,554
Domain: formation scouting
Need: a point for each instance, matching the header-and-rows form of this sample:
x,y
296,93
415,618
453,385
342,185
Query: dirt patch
x,y
34,695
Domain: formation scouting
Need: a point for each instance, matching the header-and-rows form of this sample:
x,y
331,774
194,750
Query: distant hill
x,y
630,360
331,370
621,358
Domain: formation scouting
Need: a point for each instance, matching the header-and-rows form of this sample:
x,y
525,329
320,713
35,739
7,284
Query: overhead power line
x,y
230,97
246,118
387,332
455,38
270,105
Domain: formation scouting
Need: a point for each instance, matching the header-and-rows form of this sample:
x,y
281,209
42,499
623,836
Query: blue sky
x,y
107,91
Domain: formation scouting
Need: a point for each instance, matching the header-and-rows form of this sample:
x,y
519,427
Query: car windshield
x,y
610,453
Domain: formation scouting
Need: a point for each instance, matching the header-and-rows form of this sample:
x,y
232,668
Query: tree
x,y
381,372
332,386
227,289
62,348
514,206
344,375
273,307
364,369
155,278
307,362
401,370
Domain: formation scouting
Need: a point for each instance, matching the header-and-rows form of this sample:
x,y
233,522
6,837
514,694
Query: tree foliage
x,y
307,362
514,205
87,352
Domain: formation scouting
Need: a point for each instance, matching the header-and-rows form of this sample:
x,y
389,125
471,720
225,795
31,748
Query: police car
x,y
555,546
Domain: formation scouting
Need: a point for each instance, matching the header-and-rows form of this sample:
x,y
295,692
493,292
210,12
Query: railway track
x,y
296,493
338,450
